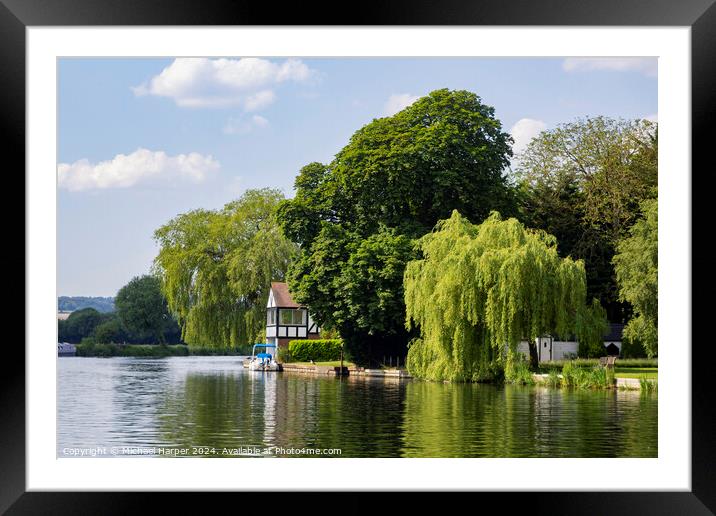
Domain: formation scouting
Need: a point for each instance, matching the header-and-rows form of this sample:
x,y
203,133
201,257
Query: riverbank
x,y
627,383
625,378
334,369
152,350
626,374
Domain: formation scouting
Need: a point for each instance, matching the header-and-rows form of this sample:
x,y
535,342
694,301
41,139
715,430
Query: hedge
x,y
91,349
318,350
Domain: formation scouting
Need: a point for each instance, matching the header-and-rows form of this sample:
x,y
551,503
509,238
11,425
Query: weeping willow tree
x,y
479,290
216,268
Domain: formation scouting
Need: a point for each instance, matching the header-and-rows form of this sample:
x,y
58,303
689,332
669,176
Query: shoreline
x,y
631,384
347,371
539,379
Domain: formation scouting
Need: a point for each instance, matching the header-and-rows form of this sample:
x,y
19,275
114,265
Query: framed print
x,y
416,253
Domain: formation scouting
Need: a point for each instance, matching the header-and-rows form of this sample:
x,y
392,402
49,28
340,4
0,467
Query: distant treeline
x,y
90,326
141,317
72,303
90,349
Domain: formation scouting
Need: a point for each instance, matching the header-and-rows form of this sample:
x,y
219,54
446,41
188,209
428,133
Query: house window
x,y
292,317
271,317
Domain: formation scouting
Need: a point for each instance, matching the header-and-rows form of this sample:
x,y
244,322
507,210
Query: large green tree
x,y
142,309
354,217
356,284
79,324
583,182
636,265
216,268
478,290
113,331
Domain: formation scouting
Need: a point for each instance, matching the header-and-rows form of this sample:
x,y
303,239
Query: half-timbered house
x,y
287,320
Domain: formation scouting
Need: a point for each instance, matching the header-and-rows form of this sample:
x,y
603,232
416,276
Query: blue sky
x,y
142,140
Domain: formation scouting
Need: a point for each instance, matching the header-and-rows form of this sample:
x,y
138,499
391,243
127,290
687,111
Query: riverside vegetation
x,y
479,290
414,240
588,374
93,349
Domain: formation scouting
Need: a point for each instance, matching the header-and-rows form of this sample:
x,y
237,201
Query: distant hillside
x,y
72,303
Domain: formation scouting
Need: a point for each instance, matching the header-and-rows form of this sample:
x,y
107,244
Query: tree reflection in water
x,y
184,401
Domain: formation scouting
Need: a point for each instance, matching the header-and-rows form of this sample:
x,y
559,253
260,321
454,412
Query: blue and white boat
x,y
65,349
263,361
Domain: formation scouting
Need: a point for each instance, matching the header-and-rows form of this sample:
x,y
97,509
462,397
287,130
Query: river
x,y
213,406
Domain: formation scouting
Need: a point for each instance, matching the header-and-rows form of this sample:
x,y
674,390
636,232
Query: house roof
x,y
615,332
281,295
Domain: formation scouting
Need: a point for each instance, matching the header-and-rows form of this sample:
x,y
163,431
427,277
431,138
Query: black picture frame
x,y
16,15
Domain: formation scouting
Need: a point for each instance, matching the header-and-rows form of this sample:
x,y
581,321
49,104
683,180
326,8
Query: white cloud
x,y
646,65
140,167
398,102
523,131
259,121
259,100
202,82
242,126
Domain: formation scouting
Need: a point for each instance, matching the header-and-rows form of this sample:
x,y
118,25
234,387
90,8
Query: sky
x,y
142,140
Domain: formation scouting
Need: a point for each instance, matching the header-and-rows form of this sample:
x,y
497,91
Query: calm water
x,y
137,406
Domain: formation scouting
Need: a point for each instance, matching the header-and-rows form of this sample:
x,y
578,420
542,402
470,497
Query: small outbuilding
x,y
287,320
550,348
613,339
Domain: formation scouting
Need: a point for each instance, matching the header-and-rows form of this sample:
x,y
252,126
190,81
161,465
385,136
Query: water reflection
x,y
488,421
183,402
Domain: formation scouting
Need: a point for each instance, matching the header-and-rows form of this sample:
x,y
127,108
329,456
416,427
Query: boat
x,y
263,361
65,349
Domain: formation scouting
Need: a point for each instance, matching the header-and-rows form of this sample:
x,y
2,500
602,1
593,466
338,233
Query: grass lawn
x,y
650,373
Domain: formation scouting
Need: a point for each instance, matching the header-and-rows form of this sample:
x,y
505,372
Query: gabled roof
x,y
281,296
615,332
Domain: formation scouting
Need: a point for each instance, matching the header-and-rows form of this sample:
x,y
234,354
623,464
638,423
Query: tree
x,y
142,308
80,324
479,290
111,331
636,266
391,183
358,282
216,268
592,326
583,183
